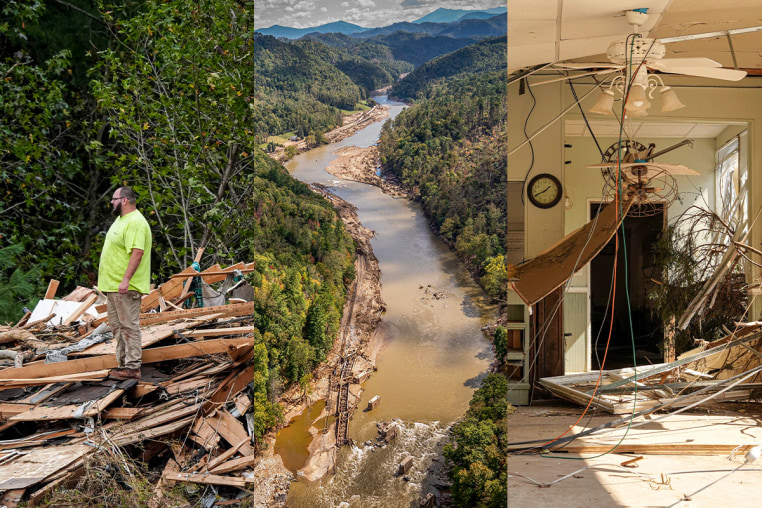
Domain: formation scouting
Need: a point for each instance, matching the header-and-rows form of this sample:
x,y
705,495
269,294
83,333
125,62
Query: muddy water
x,y
435,354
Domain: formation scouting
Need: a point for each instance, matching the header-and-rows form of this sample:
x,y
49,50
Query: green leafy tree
x,y
17,286
501,344
477,453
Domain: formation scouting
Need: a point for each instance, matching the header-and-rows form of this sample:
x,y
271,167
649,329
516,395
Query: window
x,y
731,181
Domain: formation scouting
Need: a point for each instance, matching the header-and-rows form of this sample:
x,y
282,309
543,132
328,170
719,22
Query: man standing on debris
x,y
124,275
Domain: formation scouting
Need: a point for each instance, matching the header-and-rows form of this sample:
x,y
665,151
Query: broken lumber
x,y
48,370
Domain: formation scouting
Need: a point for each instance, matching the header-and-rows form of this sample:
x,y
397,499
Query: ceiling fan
x,y
629,166
635,50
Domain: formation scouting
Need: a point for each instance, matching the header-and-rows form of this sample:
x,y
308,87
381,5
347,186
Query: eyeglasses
x,y
116,199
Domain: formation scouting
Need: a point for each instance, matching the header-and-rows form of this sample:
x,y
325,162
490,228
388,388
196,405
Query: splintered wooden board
x,y
200,348
39,464
538,277
67,411
148,336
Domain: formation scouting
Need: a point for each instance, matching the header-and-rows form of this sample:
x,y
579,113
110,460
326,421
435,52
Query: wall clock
x,y
544,190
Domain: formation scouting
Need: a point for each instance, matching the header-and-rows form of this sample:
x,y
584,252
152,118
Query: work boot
x,y
124,373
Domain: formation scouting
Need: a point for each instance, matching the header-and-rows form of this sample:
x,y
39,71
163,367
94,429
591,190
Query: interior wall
x,y
543,227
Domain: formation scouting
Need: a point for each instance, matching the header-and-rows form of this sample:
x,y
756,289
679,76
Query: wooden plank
x,y
233,384
11,498
79,294
50,293
242,402
122,413
212,275
152,433
538,277
39,464
96,375
169,290
148,337
235,464
83,365
659,449
207,479
205,433
213,332
233,309
80,310
68,411
226,455
233,432
8,409
211,278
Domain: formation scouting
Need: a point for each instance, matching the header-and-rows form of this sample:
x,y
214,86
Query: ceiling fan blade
x,y
672,169
682,62
588,65
707,72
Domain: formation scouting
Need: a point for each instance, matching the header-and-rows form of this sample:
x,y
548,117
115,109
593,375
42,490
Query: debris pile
x,y
728,369
190,416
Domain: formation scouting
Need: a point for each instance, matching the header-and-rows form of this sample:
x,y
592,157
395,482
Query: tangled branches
x,y
699,263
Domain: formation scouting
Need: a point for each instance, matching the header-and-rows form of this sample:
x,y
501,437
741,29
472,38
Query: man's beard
x,y
117,210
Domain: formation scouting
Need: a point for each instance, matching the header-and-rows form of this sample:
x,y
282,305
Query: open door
x,y
635,270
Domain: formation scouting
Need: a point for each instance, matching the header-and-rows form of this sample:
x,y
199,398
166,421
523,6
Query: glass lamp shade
x,y
605,103
636,99
669,100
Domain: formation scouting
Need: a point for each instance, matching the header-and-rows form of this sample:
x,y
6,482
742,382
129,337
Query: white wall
x,y
542,227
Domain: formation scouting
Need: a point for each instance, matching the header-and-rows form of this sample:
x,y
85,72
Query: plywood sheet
x,y
38,464
538,277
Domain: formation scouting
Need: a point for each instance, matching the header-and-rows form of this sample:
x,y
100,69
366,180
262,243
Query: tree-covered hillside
x,y
450,149
478,451
367,64
485,56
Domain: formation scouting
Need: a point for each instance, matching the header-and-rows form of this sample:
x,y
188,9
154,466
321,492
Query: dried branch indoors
x,y
696,247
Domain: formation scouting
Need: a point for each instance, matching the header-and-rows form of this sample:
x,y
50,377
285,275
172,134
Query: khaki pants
x,y
124,321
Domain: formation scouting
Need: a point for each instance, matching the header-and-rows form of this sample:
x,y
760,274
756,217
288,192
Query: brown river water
x,y
434,355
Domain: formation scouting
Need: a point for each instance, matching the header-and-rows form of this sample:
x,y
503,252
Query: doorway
x,y
635,274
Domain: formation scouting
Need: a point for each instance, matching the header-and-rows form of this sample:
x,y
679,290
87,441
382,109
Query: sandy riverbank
x,y
351,124
361,165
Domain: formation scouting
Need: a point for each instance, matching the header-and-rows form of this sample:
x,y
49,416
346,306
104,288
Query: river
x,y
434,355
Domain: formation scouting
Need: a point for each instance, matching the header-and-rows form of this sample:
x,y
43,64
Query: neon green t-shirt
x,y
126,233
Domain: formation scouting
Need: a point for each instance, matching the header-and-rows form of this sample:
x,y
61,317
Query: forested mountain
x,y
444,15
413,48
485,56
369,65
338,27
478,28
175,95
437,22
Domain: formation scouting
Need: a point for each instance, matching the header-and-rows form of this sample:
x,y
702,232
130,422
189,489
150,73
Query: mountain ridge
x,y
428,24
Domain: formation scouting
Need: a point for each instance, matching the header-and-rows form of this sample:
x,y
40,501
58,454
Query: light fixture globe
x,y
636,99
605,103
669,100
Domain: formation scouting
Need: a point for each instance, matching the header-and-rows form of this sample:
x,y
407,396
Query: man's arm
x,y
135,257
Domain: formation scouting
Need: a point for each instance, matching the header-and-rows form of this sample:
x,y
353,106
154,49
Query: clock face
x,y
544,190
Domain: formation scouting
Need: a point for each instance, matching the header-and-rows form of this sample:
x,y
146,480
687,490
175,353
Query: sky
x,y
365,13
